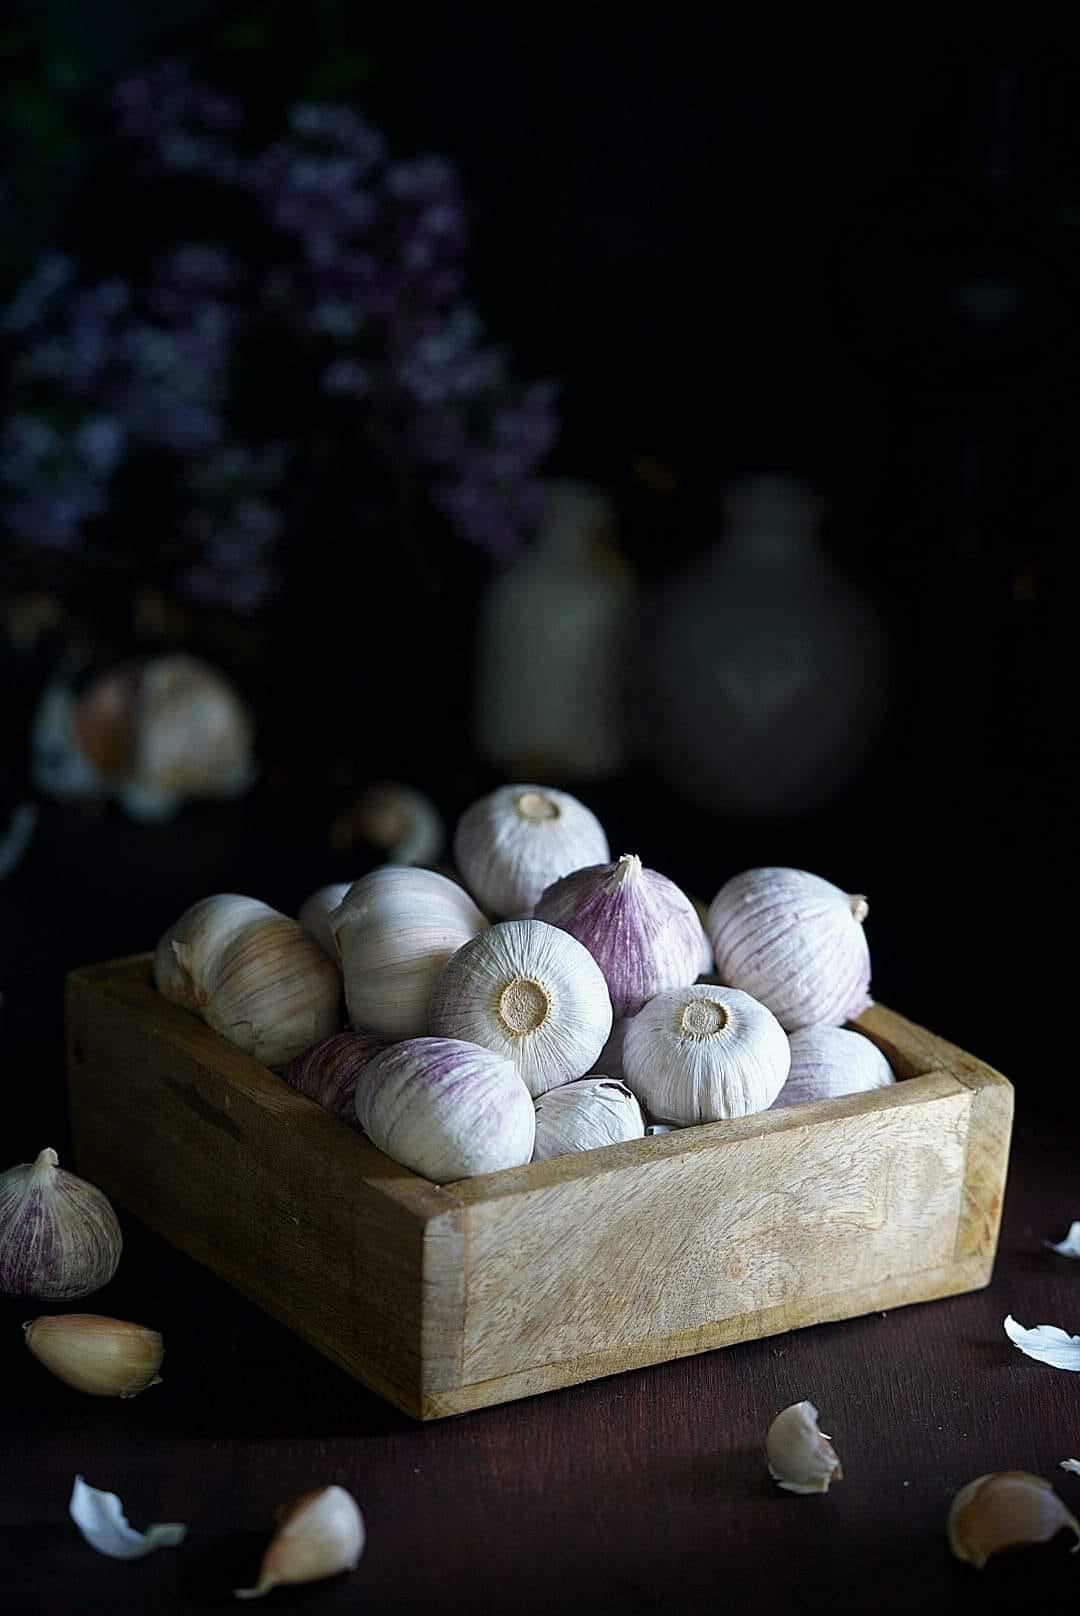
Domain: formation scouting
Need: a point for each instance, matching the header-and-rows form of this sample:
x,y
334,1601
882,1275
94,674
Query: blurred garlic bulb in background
x,y
152,734
400,822
827,1062
554,635
704,1053
586,1115
516,841
530,992
315,914
642,931
395,929
253,975
794,941
447,1109
761,669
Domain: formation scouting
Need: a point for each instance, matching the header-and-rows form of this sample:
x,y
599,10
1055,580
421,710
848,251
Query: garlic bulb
x,y
395,929
801,1458
829,1061
703,1053
531,993
795,942
446,1109
586,1115
1005,1510
253,975
403,824
103,1357
515,842
609,1062
59,1237
319,1534
315,914
640,929
327,1072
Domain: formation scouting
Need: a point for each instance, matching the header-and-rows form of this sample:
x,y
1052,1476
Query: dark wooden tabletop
x,y
643,1493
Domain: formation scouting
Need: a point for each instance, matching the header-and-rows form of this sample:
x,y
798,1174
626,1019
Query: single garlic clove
x,y
315,914
59,1237
513,843
586,1115
801,1458
1005,1510
827,1062
642,931
100,1356
703,1054
794,942
531,993
100,1519
319,1534
327,1072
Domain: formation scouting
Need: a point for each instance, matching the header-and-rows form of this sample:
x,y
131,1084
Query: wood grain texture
x,y
445,1299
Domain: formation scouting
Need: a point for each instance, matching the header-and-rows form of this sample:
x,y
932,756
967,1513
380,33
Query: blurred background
x,y
683,413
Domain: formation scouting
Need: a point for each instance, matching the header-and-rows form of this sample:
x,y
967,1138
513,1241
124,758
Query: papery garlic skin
x,y
642,931
316,910
801,1458
100,1356
513,843
1005,1509
586,1115
59,1237
102,1523
827,1062
395,929
328,1072
705,1053
794,942
319,1534
531,993
253,975
446,1108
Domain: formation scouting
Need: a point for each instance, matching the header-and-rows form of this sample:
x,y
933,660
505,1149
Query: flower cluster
x,y
347,260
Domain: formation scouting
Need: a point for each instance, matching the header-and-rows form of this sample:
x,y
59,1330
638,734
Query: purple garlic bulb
x,y
642,931
327,1072
829,1061
59,1237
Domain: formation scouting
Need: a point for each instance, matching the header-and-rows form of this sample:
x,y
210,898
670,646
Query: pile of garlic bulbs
x,y
552,1000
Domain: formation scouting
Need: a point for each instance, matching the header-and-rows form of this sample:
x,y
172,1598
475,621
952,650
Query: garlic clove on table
x,y
801,1457
319,1534
100,1356
1005,1509
513,843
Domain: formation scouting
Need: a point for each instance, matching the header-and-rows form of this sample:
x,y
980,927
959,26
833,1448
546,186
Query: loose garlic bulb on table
x,y
642,931
795,942
315,914
512,844
447,1109
531,993
705,1053
827,1062
395,929
59,1237
253,975
586,1115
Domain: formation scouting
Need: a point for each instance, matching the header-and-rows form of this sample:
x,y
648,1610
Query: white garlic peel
x,y
1005,1510
705,1053
512,844
1070,1464
319,1534
253,975
316,910
639,927
1070,1246
446,1109
1046,1344
101,1520
586,1115
395,929
59,1236
795,942
100,1356
531,993
801,1458
827,1062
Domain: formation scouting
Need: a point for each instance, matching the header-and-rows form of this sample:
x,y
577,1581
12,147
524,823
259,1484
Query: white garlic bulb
x,y
253,975
512,844
703,1053
1006,1509
795,942
531,993
586,1115
642,931
318,1535
447,1109
829,1061
315,914
395,929
801,1458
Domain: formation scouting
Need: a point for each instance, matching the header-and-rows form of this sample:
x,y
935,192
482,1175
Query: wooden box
x,y
450,1298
